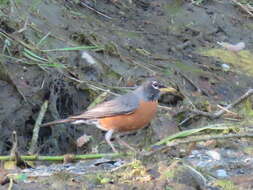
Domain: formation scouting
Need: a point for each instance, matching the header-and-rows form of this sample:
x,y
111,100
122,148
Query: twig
x,y
239,100
15,38
11,184
165,108
61,158
227,111
14,148
24,27
192,83
245,8
219,113
36,128
201,138
96,11
197,173
186,120
14,154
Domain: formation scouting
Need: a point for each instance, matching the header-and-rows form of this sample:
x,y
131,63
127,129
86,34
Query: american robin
x,y
125,113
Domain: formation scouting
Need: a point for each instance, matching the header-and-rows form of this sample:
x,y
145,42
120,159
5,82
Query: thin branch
x,y
228,111
219,113
200,138
192,83
96,11
14,148
237,101
246,8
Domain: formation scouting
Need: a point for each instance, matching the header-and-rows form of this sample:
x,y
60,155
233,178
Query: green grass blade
x,y
191,132
75,48
34,55
58,65
41,64
33,58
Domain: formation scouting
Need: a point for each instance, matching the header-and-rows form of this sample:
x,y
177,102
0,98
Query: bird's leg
x,y
108,137
120,141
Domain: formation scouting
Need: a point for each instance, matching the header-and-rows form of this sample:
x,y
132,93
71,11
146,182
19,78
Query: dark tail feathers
x,y
68,120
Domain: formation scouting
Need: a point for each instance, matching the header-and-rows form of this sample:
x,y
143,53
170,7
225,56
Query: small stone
x,y
195,152
214,154
221,173
225,67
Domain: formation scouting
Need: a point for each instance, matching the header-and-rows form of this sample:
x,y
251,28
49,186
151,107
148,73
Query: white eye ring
x,y
155,85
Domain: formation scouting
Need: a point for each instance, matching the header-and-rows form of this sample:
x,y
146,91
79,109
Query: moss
x,y
242,60
247,110
248,150
134,172
171,171
225,184
174,7
111,49
189,68
63,176
4,2
249,26
112,74
94,178
128,34
86,39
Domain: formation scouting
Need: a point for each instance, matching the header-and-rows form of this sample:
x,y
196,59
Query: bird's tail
x,y
68,120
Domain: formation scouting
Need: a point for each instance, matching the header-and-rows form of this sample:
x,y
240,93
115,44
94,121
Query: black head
x,y
153,88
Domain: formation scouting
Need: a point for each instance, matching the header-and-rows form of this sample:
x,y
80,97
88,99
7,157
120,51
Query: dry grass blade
x,y
37,127
96,11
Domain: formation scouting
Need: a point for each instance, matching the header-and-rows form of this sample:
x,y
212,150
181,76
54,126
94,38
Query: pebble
x,y
225,67
214,154
221,173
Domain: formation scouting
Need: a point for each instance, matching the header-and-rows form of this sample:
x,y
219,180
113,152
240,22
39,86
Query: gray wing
x,y
125,104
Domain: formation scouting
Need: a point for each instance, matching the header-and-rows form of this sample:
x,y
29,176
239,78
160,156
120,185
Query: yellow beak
x,y
168,89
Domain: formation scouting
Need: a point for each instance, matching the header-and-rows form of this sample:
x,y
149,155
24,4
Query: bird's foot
x,y
114,149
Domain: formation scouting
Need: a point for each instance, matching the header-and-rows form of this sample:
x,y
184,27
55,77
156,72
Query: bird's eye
x,y
155,85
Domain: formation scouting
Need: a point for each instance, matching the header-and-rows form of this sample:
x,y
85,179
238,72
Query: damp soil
x,y
134,40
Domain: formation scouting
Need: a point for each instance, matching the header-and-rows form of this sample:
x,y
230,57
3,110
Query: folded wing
x,y
125,104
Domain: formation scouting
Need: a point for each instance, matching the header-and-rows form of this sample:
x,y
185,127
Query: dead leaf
x,y
82,140
10,165
3,177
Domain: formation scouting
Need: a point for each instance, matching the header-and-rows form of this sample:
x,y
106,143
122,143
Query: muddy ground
x,y
130,40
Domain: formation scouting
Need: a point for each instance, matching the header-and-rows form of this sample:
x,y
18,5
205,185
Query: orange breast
x,y
129,122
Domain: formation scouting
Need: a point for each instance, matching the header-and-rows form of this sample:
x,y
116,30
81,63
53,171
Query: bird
x,y
129,112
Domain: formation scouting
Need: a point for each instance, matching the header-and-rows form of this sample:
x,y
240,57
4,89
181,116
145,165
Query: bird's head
x,y
153,88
